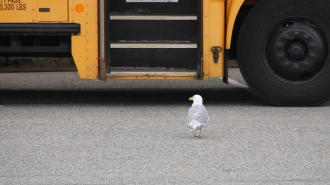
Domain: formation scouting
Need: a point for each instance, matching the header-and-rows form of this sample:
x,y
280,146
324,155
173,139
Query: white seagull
x,y
197,115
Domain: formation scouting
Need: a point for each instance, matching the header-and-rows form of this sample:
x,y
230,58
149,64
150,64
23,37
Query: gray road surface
x,y
57,129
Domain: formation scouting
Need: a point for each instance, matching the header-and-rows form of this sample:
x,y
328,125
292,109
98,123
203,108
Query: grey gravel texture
x,y
57,129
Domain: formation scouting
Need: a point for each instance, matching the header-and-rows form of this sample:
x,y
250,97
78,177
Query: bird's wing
x,y
197,113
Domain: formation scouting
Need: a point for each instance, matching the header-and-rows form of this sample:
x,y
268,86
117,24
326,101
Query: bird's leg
x,y
200,131
195,133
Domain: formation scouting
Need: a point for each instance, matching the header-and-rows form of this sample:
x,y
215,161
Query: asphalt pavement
x,y
57,129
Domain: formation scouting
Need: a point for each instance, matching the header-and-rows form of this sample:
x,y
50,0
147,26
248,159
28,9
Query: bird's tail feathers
x,y
194,125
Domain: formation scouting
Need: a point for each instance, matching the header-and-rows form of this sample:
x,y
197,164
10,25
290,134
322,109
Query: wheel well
x,y
242,14
251,2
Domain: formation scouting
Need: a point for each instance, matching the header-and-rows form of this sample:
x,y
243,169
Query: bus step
x,y
150,45
152,73
154,35
153,17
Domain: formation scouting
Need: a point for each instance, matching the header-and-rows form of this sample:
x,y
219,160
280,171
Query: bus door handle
x,y
216,50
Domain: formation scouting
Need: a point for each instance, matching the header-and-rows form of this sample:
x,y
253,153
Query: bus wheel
x,y
283,51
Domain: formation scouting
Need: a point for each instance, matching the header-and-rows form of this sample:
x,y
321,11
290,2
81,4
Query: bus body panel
x,y
213,35
85,45
25,11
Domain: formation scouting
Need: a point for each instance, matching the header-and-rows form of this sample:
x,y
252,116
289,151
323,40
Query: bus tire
x,y
283,51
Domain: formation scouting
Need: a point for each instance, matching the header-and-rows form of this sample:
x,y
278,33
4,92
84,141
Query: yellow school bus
x,y
282,46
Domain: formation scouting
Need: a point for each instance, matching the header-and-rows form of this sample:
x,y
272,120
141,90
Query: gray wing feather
x,y
198,113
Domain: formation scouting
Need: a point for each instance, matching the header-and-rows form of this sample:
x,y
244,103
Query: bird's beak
x,y
191,98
